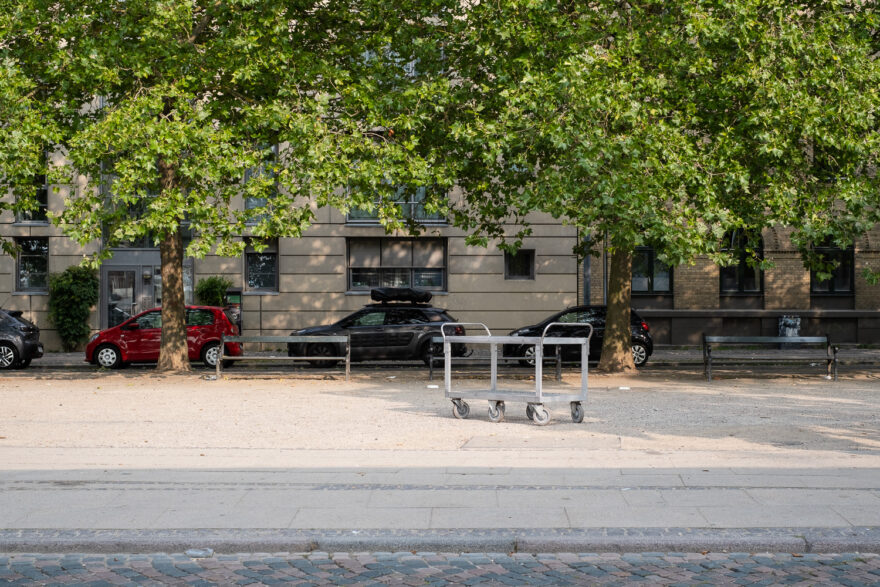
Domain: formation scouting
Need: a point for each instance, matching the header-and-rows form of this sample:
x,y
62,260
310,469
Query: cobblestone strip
x,y
429,568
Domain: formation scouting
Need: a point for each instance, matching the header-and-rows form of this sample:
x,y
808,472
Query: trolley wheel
x,y
460,409
496,411
540,415
530,411
577,412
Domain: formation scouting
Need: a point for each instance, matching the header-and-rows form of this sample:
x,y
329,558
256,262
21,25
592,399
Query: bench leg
x,y
707,363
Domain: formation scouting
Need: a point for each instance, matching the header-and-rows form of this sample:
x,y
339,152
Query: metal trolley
x,y
535,409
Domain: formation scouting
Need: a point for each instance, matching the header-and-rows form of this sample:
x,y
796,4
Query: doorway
x,y
127,291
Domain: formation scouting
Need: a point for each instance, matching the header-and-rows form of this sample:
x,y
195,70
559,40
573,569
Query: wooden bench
x,y
830,351
285,340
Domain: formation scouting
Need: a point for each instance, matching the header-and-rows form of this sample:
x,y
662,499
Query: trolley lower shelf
x,y
535,400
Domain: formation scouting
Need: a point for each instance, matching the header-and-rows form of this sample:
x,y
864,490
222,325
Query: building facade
x,y
316,279
327,274
681,303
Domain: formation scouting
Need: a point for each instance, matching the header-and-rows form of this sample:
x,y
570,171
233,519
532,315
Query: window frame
x,y
653,261
532,261
846,255
271,249
39,216
249,202
18,258
411,268
741,266
412,203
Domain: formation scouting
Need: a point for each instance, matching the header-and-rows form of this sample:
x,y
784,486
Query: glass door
x,y
121,295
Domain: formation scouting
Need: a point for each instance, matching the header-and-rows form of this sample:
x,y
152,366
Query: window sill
x,y
259,293
30,293
31,223
832,294
519,279
375,223
735,294
654,294
362,292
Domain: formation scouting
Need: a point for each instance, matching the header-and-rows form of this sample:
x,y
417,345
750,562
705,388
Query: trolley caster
x,y
460,409
577,412
496,411
530,411
540,415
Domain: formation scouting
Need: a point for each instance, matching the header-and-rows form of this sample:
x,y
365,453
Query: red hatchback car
x,y
137,340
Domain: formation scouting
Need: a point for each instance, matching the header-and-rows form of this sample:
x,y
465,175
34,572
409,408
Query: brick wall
x,y
787,283
696,286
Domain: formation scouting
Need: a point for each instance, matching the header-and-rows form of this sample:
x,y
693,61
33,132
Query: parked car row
x,y
400,326
19,340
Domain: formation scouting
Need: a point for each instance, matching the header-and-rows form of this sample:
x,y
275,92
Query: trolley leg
x,y
493,357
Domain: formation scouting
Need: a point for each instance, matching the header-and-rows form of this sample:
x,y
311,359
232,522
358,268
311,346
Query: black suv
x,y
399,327
642,344
19,340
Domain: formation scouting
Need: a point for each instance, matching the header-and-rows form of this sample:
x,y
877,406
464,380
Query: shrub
x,y
72,294
211,291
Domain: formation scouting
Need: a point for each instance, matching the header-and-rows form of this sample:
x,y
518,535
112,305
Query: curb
x,y
599,540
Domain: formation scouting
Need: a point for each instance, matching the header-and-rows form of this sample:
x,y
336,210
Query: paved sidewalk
x,y
135,462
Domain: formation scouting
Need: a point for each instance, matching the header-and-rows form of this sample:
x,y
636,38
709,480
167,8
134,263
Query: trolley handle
x,y
445,324
590,326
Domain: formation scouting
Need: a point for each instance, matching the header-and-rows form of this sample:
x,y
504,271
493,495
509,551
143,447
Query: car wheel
x,y
108,356
8,356
528,355
321,349
640,354
211,354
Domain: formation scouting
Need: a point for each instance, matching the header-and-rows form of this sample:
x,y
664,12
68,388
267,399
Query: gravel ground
x,y
396,410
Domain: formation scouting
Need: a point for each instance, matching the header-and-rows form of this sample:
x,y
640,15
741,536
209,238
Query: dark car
x,y
137,339
19,340
642,344
396,328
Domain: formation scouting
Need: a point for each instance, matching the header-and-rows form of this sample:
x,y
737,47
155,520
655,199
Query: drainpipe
x,y
587,271
605,271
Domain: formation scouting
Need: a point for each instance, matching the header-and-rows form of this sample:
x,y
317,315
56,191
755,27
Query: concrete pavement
x,y
130,462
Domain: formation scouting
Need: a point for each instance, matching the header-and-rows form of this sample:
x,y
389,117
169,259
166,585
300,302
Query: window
x,y
519,265
400,317
150,320
32,265
743,276
199,317
265,171
38,215
261,267
649,274
412,204
842,269
390,262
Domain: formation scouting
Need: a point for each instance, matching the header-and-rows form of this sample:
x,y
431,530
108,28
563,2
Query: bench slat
x,y
767,339
285,338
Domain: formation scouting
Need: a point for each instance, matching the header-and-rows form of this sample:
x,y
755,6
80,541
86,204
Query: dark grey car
x,y
380,331
19,340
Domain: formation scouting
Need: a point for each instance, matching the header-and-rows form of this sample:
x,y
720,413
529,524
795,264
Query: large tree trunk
x,y
173,355
617,347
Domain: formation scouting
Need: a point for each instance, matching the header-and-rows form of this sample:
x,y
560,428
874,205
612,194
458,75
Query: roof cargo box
x,y
400,294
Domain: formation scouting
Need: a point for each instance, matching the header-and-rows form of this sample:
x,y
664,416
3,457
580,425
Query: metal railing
x,y
286,339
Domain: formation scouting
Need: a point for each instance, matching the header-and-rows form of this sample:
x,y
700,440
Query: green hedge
x,y
72,294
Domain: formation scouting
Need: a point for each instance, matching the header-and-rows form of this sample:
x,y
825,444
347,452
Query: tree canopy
x,y
669,124
173,111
